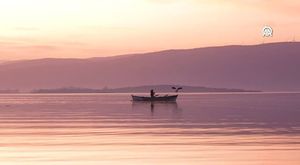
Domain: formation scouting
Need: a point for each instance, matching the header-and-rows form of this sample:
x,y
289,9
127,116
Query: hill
x,y
267,67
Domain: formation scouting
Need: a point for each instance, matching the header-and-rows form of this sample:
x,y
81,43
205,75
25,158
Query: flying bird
x,y
177,89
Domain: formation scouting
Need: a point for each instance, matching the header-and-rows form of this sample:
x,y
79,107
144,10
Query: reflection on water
x,y
156,107
110,129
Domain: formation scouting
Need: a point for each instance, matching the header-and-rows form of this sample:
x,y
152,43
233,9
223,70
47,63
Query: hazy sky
x,y
88,28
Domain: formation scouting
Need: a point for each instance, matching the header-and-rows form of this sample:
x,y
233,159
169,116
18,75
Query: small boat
x,y
169,98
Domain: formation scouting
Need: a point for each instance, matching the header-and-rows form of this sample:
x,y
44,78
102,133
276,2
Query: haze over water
x,y
88,129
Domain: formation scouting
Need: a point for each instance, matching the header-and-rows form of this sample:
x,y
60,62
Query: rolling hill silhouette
x,y
268,67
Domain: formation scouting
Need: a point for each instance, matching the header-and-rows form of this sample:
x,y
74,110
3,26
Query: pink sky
x,y
88,28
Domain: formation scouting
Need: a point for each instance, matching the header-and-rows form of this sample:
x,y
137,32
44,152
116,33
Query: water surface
x,y
90,129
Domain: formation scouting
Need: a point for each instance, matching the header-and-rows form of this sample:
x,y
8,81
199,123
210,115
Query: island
x,y
141,89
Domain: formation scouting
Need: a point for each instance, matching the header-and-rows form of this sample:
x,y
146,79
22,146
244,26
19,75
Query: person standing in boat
x,y
152,93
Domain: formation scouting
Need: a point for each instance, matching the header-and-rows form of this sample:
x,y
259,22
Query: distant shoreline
x,y
159,93
135,89
142,89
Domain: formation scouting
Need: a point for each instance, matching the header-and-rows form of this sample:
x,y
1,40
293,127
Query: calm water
x,y
209,129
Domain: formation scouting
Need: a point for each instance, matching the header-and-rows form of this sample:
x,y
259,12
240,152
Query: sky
x,y
31,29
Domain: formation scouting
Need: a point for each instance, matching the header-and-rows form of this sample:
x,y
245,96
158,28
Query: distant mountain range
x,y
140,89
267,67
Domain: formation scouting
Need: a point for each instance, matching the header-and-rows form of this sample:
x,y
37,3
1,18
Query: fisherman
x,y
152,93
